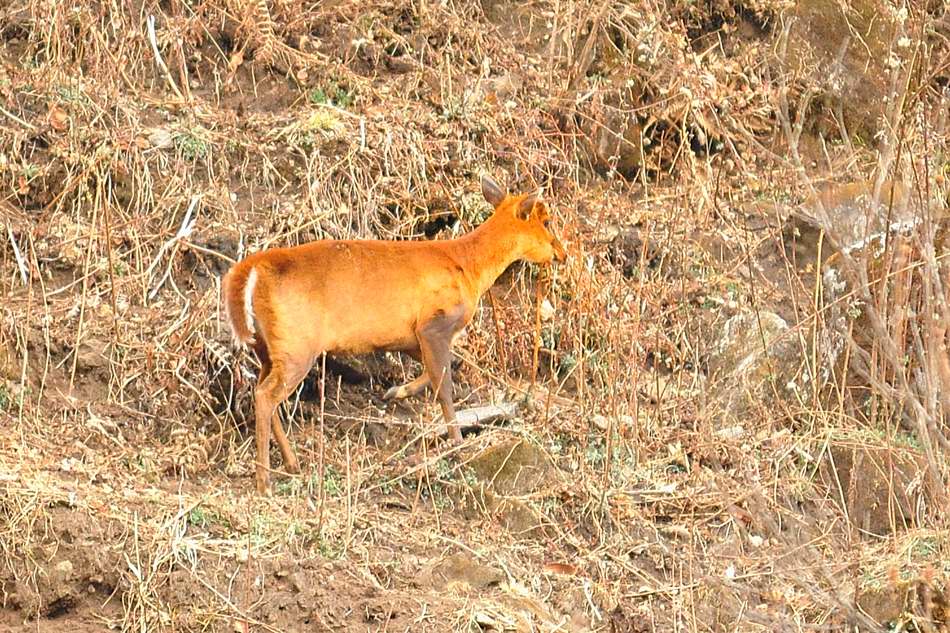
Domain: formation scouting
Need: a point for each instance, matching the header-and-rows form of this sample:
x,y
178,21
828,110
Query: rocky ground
x,y
725,411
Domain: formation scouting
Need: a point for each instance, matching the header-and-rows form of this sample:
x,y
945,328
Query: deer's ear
x,y
527,205
492,192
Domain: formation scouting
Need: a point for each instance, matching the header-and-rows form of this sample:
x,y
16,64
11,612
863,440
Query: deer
x,y
293,305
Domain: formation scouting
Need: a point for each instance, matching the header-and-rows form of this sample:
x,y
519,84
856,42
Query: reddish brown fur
x,y
359,296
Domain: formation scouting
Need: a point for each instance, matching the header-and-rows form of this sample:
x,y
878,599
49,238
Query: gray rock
x,y
503,473
853,215
757,361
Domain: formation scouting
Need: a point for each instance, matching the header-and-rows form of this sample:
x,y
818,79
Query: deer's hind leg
x,y
290,459
284,375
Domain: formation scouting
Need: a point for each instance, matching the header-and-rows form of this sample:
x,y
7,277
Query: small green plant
x,y
142,462
854,309
443,470
323,121
908,439
870,581
550,337
332,482
308,133
259,527
289,487
440,498
469,477
732,288
204,518
193,144
296,529
566,366
5,399
333,93
30,171
318,96
71,94
595,453
926,547
559,442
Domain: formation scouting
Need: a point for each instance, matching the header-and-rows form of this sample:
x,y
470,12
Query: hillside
x,y
729,402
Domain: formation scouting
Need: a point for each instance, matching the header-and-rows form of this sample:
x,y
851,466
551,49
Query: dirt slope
x,y
692,448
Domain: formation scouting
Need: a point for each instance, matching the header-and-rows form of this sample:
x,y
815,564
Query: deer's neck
x,y
486,252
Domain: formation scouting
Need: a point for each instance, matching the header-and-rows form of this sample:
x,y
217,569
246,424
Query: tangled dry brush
x,y
730,403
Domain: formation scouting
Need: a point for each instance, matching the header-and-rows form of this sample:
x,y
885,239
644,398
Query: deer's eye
x,y
546,222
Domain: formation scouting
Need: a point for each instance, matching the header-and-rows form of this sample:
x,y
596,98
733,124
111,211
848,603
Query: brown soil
x,y
621,496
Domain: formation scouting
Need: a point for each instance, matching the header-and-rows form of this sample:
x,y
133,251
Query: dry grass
x,y
145,146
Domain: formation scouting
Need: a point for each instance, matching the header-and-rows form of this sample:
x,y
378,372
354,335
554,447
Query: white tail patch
x,y
249,300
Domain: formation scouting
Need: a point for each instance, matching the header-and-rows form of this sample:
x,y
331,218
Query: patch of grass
x,y
558,444
333,484
550,337
908,439
440,498
442,490
732,290
621,461
550,505
5,399
143,463
296,529
323,121
878,436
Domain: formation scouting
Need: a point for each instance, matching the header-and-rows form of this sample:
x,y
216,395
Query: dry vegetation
x,y
731,400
